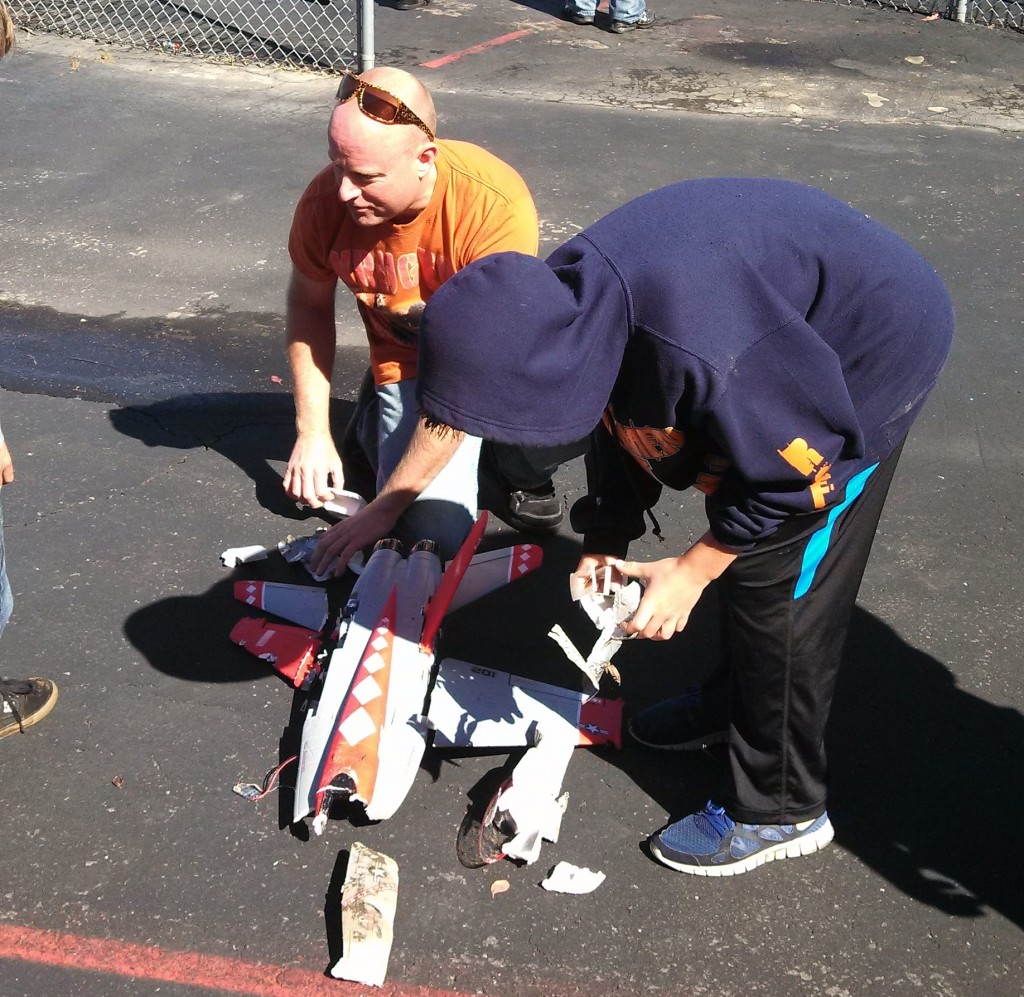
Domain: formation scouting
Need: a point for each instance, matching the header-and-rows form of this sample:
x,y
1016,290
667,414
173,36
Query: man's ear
x,y
425,159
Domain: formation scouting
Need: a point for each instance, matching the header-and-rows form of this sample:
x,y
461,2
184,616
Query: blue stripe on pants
x,y
817,545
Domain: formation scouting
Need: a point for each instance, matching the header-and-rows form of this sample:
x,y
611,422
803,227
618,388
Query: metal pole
x,y
366,40
961,11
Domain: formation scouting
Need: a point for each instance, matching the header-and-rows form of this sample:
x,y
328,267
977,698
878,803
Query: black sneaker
x,y
690,722
533,510
568,14
24,702
646,20
409,4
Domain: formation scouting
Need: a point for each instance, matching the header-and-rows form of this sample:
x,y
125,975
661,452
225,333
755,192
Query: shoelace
x,y
9,690
717,819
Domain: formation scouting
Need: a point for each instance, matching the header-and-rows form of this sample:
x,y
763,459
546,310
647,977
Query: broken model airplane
x,y
369,714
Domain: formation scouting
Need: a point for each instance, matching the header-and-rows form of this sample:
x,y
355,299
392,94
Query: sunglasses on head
x,y
378,104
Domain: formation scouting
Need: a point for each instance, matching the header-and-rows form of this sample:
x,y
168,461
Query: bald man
x,y
394,214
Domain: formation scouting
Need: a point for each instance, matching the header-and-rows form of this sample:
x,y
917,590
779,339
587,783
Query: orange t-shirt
x,y
480,205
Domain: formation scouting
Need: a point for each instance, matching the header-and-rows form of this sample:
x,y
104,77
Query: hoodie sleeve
x,y
619,492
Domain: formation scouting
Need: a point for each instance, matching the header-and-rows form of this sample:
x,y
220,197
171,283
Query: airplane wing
x,y
476,707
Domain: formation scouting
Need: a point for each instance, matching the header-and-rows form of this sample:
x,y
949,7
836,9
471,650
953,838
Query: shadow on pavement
x,y
927,779
249,429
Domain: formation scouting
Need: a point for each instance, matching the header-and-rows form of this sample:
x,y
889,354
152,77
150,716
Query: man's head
x,y
523,351
384,171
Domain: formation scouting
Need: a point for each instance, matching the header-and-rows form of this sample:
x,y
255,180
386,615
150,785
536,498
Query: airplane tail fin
x,y
438,605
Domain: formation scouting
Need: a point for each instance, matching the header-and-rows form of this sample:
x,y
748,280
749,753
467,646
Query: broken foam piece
x,y
234,556
299,550
368,902
566,878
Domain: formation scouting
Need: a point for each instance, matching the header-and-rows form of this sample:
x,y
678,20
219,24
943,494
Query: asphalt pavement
x,y
144,206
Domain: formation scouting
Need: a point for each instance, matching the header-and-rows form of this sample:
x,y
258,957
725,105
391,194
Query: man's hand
x,y
673,585
344,540
314,470
591,572
428,452
6,466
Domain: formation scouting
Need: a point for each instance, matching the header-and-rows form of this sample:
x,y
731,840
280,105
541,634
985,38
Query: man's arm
x,y
6,463
311,343
429,450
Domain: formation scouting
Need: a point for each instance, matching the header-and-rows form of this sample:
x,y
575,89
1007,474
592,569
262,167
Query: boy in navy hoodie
x,y
758,340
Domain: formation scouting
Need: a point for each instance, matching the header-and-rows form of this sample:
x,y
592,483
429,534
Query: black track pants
x,y
787,609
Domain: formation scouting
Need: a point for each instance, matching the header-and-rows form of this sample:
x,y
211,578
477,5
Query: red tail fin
x,y
439,604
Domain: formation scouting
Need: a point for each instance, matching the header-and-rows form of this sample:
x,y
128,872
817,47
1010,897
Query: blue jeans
x,y
6,601
618,10
446,510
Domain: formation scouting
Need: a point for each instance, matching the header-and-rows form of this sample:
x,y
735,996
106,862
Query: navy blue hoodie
x,y
757,338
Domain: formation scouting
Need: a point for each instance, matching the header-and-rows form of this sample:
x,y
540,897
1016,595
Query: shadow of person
x,y
927,778
250,429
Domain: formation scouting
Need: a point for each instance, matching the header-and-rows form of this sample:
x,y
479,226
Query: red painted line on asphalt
x,y
210,972
475,49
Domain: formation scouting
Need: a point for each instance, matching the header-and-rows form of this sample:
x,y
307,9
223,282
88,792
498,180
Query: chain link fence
x,y
998,13
328,34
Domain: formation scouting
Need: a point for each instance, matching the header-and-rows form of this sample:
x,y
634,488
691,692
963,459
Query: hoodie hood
x,y
524,351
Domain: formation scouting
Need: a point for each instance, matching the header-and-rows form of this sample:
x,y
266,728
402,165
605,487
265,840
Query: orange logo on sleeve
x,y
810,464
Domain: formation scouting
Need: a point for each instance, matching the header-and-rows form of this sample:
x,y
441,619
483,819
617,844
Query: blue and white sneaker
x,y
711,843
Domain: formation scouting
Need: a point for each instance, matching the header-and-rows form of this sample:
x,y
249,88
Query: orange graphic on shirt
x,y
805,459
383,273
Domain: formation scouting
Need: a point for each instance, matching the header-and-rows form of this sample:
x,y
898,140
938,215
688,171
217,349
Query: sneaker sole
x,y
806,845
41,714
547,528
697,744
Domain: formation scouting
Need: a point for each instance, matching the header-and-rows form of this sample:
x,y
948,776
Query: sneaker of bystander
x,y
24,702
